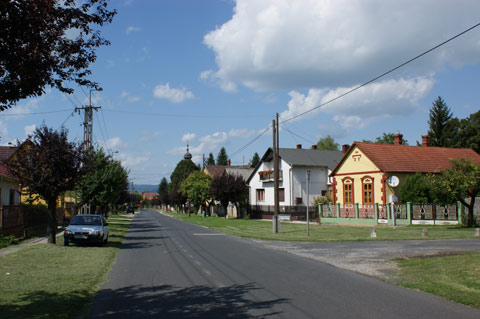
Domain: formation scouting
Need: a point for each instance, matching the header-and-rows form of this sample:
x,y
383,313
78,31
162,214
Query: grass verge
x,y
259,229
53,281
453,277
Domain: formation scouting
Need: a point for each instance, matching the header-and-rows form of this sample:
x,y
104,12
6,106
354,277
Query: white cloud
x,y
382,99
163,91
129,160
115,142
129,98
188,137
272,44
242,132
29,129
131,29
207,144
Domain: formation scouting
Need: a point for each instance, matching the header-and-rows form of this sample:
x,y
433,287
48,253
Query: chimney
x,y
299,146
345,148
398,139
229,163
425,141
314,147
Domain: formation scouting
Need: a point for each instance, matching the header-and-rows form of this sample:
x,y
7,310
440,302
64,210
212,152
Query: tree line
x,y
47,165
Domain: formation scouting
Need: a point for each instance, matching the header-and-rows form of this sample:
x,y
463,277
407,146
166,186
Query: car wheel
x,y
65,242
106,240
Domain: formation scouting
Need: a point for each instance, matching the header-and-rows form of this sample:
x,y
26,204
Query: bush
x,y
7,240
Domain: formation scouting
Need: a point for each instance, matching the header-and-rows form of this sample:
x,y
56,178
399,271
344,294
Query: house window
x,y
12,197
281,194
367,183
348,191
260,195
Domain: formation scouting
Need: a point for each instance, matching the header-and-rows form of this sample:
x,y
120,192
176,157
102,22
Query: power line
x,y
383,74
251,142
188,115
35,113
297,135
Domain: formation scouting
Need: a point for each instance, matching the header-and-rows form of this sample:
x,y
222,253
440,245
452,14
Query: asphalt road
x,y
171,269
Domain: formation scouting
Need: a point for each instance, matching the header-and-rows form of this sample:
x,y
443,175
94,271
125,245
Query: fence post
x,y
356,210
459,212
388,213
375,209
338,212
409,213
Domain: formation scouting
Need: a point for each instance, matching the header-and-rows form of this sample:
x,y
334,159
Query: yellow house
x,y
366,173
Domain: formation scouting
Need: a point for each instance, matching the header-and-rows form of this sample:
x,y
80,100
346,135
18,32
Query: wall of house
x,y
357,167
293,181
6,184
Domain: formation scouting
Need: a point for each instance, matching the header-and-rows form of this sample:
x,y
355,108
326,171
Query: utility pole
x,y
88,123
276,174
87,134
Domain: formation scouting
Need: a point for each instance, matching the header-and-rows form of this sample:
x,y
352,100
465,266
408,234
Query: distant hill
x,y
145,188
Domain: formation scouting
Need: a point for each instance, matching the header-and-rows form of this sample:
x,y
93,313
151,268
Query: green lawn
x,y
452,277
53,281
297,232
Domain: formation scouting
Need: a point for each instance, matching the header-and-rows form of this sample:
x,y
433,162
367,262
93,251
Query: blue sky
x,y
215,72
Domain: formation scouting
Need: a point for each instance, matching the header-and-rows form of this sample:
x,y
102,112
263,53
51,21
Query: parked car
x,y
131,209
87,229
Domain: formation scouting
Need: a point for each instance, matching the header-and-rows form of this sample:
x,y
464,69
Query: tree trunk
x,y
52,221
470,218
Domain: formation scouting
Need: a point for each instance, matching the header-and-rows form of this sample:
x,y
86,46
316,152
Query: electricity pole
x,y
88,123
87,134
275,174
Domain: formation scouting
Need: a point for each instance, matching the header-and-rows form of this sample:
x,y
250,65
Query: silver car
x,y
86,229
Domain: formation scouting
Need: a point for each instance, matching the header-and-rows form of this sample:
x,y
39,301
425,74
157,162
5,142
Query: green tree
x,y
196,187
468,135
386,138
181,172
441,128
48,164
222,157
255,160
103,184
229,188
210,160
327,143
461,181
163,191
416,190
37,50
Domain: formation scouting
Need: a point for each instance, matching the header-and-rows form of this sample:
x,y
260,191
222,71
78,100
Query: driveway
x,y
371,258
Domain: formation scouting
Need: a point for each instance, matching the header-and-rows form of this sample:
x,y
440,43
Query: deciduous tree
x,y
229,188
47,43
48,164
327,143
462,181
196,187
416,190
103,184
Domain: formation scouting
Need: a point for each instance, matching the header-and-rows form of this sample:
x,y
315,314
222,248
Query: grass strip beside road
x,y
453,277
53,281
259,229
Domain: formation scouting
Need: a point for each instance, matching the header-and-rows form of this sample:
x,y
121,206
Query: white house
x,y
293,166
9,195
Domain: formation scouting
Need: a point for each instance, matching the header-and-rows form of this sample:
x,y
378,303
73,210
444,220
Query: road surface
x,y
171,269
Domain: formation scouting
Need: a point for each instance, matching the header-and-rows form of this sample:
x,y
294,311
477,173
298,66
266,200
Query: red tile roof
x,y
149,195
404,158
215,170
5,153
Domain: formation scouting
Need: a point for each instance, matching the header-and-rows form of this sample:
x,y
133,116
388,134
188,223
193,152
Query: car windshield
x,y
86,220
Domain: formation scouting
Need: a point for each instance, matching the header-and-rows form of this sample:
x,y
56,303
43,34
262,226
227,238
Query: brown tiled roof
x,y
149,195
5,153
404,158
215,170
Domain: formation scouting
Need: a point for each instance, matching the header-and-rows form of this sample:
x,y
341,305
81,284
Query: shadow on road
x,y
193,302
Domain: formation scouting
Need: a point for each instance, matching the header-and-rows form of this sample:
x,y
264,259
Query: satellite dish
x,y
393,181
